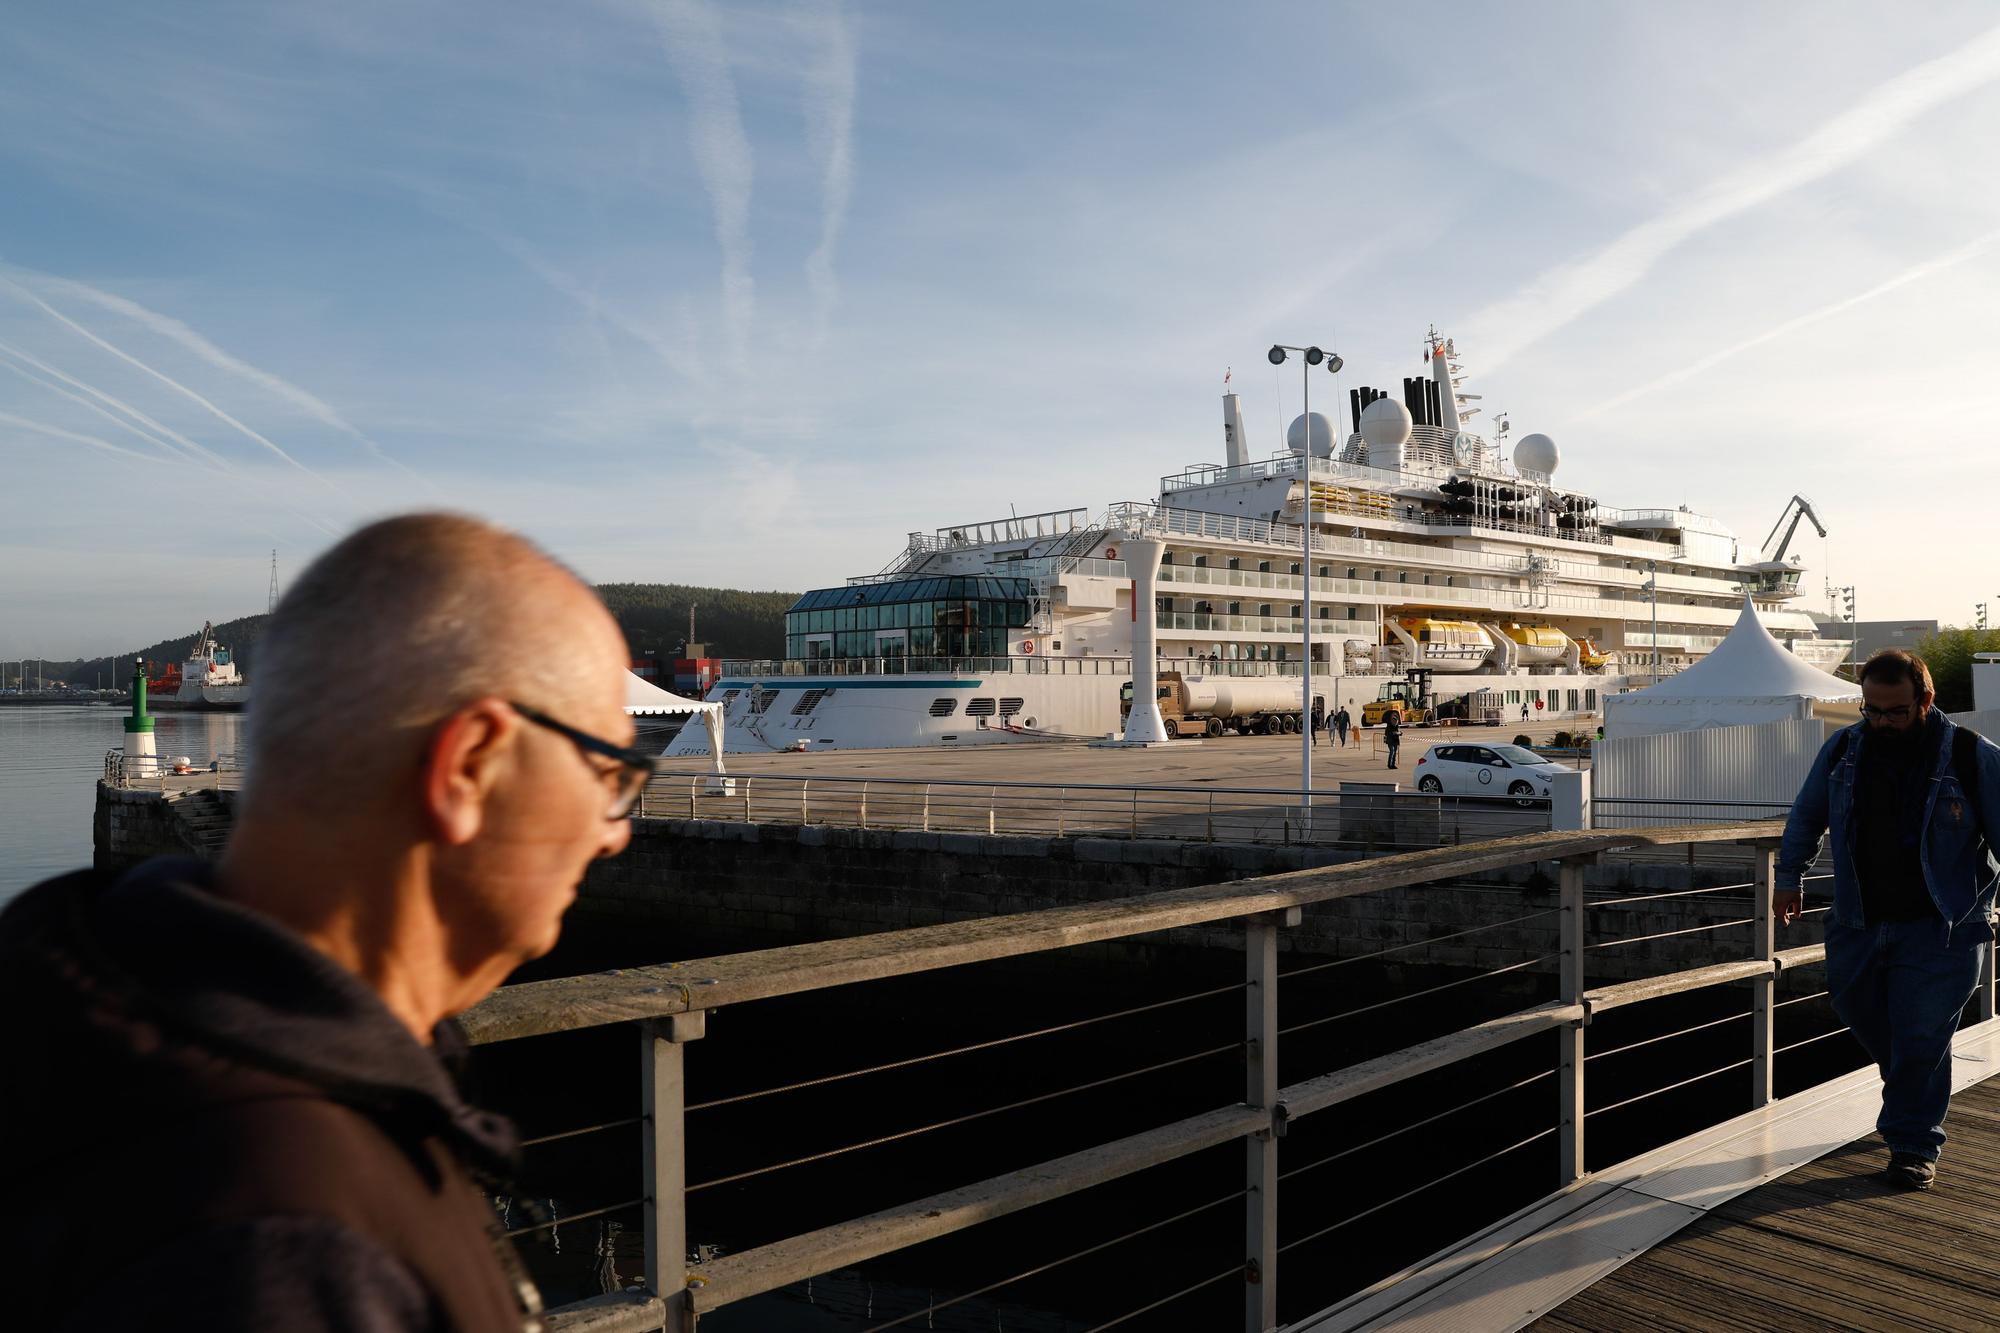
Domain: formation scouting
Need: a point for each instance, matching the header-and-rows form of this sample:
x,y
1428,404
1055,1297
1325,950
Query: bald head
x,y
399,624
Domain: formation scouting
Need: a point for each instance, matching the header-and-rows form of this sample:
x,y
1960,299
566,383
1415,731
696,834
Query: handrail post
x,y
663,1094
861,819
1569,1062
1764,989
1260,1076
992,800
1986,984
805,810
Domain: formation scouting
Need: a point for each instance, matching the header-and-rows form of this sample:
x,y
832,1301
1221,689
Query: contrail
x,y
167,380
309,403
693,37
1563,293
1937,264
196,452
829,112
674,357
58,433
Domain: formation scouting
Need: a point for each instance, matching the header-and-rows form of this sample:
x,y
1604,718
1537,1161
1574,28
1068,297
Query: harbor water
x,y
50,759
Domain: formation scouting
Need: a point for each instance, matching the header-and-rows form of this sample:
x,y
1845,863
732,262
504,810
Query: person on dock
x,y
1318,723
1341,722
260,1049
1911,801
1392,736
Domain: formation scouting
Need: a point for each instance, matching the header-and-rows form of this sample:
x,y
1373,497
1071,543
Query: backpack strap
x,y
1840,740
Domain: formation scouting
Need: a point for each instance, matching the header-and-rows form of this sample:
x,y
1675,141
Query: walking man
x,y
1392,736
1341,721
1524,712
1318,723
262,1045
1910,800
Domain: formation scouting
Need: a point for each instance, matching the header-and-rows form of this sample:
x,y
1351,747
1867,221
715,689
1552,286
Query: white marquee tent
x,y
1748,678
645,699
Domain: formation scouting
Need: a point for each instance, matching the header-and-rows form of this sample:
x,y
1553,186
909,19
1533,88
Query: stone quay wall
x,y
758,884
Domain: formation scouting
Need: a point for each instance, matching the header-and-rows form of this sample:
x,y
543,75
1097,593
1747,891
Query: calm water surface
x,y
50,761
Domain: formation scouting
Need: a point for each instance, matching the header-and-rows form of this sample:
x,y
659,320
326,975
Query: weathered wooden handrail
x,y
567,1003
668,1003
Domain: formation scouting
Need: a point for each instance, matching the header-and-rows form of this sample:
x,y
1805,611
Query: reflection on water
x,y
50,760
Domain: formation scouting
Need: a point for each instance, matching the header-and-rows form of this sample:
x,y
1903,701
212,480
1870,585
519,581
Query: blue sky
x,y
740,294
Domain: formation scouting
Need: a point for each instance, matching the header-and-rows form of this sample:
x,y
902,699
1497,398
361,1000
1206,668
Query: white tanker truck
x,y
1198,705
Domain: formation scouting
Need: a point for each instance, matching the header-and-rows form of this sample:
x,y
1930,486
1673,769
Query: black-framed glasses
x,y
1896,714
634,766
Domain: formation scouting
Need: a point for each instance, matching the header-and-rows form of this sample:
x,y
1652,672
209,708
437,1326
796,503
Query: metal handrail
x,y
671,1001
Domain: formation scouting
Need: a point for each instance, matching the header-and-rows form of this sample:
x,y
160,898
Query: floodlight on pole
x,y
1312,356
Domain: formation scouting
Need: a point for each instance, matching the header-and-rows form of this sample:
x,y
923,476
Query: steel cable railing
x,y
1265,908
1234,1270
965,1119
967,1049
1411,1193
1418,995
1417,944
936,1306
1381,1139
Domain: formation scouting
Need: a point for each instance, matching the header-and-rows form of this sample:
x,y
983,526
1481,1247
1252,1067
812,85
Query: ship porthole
x,y
1028,722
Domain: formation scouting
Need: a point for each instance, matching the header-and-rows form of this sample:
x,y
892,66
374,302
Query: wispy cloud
x,y
167,326
692,33
161,376
1915,273
829,114
196,452
1563,293
676,357
58,433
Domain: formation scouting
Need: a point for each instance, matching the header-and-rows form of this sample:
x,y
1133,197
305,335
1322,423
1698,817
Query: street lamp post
x,y
1309,357
1653,596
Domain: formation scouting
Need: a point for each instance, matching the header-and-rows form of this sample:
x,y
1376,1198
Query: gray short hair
x,y
392,629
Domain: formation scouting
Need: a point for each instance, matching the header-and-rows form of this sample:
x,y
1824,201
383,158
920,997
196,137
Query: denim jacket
x,y
1959,869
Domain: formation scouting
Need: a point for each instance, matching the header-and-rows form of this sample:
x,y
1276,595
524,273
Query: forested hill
x,y
733,623
654,616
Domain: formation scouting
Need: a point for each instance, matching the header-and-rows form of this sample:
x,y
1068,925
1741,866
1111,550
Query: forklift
x,y
1408,700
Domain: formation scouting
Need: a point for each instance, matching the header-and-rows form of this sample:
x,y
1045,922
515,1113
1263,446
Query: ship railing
x,y
771,670
1023,527
1516,1064
1362,816
166,773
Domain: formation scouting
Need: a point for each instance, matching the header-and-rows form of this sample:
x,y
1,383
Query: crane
x,y
1798,508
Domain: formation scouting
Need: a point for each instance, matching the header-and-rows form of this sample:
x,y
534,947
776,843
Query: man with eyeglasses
x,y
258,1049
1910,800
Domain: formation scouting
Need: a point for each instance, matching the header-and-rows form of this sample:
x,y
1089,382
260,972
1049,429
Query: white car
x,y
1458,769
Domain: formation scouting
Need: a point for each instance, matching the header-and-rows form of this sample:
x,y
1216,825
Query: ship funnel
x,y
1236,445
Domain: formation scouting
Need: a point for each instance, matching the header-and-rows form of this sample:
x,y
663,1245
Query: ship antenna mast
x,y
272,603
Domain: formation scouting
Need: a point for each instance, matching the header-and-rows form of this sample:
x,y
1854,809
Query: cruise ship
x,y
1431,545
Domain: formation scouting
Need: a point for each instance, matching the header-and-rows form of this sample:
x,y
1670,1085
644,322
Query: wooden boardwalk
x,y
1828,1246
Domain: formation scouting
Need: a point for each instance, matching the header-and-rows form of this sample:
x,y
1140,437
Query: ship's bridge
x,y
954,616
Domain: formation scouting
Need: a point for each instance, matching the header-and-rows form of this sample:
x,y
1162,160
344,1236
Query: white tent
x,y
645,699
1748,678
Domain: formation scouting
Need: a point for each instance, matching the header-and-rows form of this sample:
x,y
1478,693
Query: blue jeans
x,y
1902,990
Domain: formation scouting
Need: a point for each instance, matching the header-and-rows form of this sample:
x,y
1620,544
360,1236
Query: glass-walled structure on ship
x,y
963,616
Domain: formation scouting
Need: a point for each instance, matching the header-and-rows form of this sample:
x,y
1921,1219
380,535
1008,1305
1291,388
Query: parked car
x,y
1458,769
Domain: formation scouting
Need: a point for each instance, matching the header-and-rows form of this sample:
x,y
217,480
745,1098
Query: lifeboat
x,y
1442,645
1537,645
1591,657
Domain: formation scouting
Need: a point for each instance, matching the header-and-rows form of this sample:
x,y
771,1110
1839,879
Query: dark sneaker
x,y
1911,1171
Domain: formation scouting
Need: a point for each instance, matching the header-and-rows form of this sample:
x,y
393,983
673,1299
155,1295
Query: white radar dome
x,y
1322,436
1385,423
1536,453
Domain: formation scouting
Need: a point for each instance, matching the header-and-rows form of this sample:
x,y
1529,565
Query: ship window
x,y
1263,608
1324,570
1009,707
1378,576
1423,636
1590,701
1448,580
1352,572
1263,566
1354,613
1427,578
728,696
1166,557
1402,576
1234,563
762,700
1326,613
979,708
807,702
943,707
1236,608
1201,562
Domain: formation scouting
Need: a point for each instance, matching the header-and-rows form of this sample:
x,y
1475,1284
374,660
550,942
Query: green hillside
x,y
732,622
